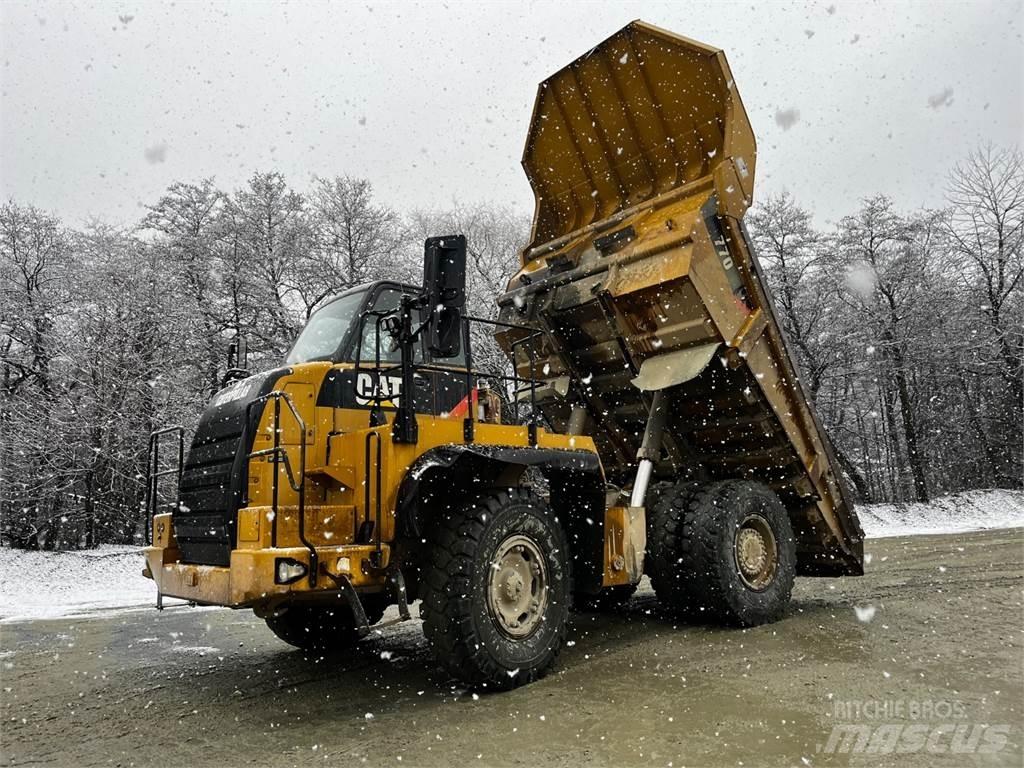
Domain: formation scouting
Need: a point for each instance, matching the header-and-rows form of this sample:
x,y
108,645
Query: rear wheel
x,y
323,628
496,590
724,550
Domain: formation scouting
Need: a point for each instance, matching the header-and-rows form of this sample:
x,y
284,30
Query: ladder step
x,y
341,475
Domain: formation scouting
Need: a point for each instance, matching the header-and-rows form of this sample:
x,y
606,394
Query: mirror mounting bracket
x,y
441,302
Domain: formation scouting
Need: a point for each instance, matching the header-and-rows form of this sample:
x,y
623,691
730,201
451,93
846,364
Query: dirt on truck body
x,y
643,279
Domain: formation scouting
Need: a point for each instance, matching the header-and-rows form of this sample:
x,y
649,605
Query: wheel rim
x,y
517,590
757,555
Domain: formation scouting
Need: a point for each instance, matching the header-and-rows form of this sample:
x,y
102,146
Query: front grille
x,y
205,525
214,477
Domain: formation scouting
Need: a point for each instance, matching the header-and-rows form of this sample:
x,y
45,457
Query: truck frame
x,y
652,422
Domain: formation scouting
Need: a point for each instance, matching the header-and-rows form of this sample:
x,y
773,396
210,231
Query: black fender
x,y
575,482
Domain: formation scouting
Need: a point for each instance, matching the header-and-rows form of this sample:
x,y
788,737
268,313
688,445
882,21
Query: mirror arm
x,y
404,428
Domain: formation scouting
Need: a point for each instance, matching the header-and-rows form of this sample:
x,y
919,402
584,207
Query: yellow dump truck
x,y
650,419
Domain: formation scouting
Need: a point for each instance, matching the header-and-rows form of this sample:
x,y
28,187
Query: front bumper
x,y
249,580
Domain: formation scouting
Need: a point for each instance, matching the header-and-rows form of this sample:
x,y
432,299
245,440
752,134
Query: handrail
x,y
278,451
377,533
377,396
470,420
154,473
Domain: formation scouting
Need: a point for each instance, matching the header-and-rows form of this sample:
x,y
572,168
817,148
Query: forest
x,y
906,325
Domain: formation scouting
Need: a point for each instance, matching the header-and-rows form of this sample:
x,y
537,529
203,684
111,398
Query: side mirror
x,y
444,293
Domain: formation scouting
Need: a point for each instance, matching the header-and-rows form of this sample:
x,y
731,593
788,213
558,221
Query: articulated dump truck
x,y
650,420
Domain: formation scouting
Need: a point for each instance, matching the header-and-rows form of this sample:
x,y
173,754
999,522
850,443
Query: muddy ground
x,y
942,647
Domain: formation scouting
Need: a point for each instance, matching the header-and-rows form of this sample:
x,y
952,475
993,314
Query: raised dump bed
x,y
644,280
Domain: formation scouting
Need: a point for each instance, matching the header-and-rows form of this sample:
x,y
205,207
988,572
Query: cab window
x,y
325,329
386,301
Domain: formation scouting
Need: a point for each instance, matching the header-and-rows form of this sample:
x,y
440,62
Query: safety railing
x,y
280,456
520,384
154,473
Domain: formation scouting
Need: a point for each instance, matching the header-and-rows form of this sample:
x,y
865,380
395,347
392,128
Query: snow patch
x,y
865,613
959,512
46,585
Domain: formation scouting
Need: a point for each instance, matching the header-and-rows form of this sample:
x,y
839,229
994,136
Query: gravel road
x,y
931,637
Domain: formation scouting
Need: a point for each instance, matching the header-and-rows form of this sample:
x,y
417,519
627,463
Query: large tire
x,y
722,551
662,562
320,628
496,590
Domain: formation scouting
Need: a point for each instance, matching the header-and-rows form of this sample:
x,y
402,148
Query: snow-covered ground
x,y
958,512
40,585
55,584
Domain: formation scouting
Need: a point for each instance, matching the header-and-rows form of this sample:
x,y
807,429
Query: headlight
x,y
288,569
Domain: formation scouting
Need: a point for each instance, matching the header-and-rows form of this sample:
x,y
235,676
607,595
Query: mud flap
x,y
362,624
625,542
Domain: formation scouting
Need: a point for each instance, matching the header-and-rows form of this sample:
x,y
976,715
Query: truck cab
x,y
331,366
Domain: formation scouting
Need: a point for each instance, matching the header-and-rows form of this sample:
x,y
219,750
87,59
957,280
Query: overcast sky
x,y
104,105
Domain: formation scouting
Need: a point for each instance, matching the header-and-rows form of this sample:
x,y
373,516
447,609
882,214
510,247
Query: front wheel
x,y
497,590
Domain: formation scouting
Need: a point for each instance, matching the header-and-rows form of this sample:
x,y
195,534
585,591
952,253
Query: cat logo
x,y
366,389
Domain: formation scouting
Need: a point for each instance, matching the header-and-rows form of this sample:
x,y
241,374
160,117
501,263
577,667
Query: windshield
x,y
325,330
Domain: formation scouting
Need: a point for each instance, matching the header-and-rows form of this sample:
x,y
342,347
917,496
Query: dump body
x,y
642,277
